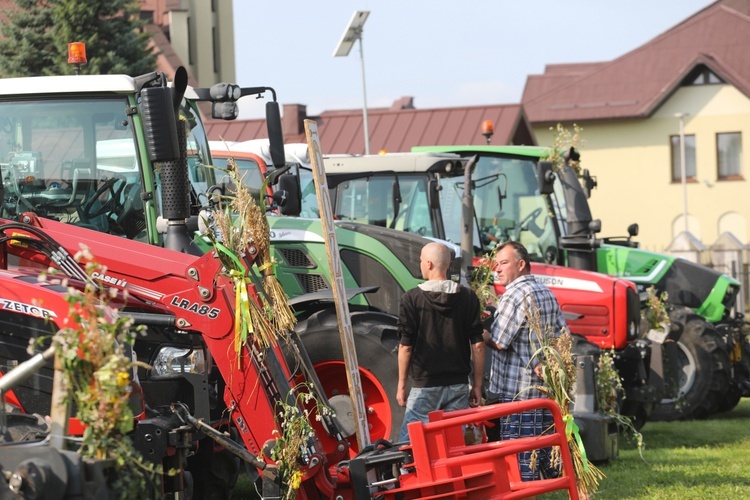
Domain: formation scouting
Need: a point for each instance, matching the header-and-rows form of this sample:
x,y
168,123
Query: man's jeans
x,y
423,400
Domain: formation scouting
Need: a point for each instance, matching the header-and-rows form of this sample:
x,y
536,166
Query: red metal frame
x,y
446,467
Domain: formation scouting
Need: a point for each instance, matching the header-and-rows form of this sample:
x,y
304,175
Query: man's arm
x,y
477,358
508,317
404,358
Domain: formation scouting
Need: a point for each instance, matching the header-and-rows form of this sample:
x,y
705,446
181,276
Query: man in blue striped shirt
x,y
515,373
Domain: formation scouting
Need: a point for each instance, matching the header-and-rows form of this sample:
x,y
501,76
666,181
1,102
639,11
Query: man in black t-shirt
x,y
441,341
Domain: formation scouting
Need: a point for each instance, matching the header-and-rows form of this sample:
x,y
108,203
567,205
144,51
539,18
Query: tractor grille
x,y
311,282
296,258
34,393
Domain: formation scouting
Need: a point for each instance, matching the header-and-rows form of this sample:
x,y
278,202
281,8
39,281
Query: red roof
x,y
637,83
395,129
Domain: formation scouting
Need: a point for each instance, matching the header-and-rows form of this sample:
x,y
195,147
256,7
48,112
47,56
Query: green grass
x,y
698,459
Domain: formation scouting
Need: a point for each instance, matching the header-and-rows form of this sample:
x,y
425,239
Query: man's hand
x,y
539,370
486,335
401,396
475,396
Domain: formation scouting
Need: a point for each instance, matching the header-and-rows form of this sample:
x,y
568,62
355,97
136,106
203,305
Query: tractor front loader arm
x,y
193,290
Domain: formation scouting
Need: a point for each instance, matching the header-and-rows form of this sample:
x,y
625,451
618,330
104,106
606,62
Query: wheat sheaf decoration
x,y
237,227
559,375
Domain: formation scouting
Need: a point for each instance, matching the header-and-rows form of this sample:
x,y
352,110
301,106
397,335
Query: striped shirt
x,y
512,373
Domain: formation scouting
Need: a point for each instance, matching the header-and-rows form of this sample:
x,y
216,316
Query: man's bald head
x,y
434,261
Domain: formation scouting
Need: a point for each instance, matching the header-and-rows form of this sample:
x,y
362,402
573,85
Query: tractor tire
x,y
214,473
702,372
376,345
739,386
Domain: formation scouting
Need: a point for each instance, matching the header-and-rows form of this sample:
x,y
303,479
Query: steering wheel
x,y
524,224
113,187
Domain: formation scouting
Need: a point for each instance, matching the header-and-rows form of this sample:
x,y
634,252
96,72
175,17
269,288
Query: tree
x,y
37,34
25,43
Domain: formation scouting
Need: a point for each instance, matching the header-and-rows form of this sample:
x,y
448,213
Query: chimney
x,y
293,121
403,103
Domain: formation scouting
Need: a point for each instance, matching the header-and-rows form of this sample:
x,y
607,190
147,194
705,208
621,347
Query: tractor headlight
x,y
172,360
632,329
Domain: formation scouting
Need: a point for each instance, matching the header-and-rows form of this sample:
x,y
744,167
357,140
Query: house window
x,y
729,155
701,75
689,158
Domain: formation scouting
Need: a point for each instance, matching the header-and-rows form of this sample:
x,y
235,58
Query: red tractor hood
x,y
595,305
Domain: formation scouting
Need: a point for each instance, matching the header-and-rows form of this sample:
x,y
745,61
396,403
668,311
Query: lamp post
x,y
683,173
353,33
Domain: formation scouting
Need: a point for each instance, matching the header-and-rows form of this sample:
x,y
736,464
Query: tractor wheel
x,y
702,372
214,473
376,342
738,386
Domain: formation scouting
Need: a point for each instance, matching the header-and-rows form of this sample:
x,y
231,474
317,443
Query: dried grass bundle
x,y
278,311
559,375
231,243
237,227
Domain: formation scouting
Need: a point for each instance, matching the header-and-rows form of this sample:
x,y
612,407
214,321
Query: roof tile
x,y
396,128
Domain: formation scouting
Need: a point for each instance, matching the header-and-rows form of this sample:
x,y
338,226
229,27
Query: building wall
x,y
202,36
631,160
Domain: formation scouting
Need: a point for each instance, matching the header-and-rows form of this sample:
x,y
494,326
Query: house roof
x,y
394,129
637,83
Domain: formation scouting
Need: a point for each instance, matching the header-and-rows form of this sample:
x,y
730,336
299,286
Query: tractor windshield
x,y
507,206
77,160
72,160
374,199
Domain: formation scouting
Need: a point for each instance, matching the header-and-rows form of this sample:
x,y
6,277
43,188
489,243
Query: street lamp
x,y
353,33
683,173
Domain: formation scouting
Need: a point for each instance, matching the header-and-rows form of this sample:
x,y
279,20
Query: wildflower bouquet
x,y
98,376
656,314
483,280
608,391
563,140
291,447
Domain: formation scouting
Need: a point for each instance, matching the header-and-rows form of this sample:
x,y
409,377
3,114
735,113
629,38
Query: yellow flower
x,y
296,480
123,379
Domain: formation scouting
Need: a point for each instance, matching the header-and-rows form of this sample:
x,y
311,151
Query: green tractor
x,y
548,211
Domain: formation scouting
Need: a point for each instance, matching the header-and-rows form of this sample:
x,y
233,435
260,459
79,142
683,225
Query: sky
x,y
442,53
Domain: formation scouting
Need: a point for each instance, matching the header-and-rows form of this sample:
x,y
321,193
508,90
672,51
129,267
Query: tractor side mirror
x,y
287,195
633,230
546,177
589,182
275,134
